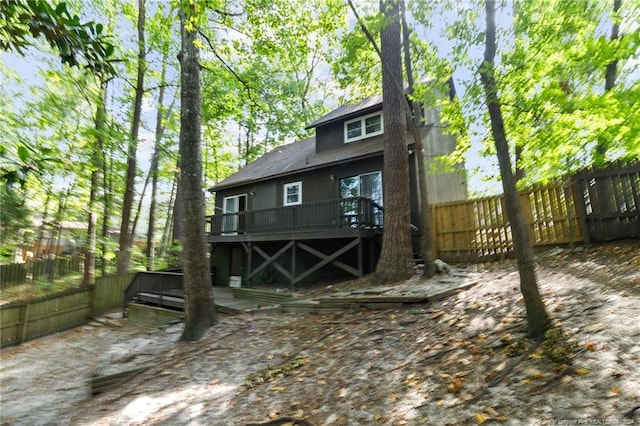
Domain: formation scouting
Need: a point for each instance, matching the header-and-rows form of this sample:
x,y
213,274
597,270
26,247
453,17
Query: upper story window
x,y
292,193
363,127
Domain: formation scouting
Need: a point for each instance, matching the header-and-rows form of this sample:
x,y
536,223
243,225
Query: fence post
x,y
25,323
436,234
577,189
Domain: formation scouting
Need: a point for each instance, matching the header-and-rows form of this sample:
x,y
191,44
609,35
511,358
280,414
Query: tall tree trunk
x,y
427,245
199,307
609,79
396,261
537,318
96,166
124,254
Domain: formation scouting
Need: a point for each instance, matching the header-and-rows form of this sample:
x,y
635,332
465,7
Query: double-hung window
x,y
292,193
363,127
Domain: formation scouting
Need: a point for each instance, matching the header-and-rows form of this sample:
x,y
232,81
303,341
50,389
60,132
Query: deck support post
x,y
293,266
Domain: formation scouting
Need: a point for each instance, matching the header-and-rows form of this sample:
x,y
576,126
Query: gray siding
x,y
317,185
329,136
442,184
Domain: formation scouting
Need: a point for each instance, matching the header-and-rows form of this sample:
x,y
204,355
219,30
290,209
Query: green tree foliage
x,y
15,218
262,64
553,79
78,43
550,70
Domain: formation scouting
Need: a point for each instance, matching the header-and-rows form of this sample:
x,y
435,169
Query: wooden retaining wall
x,y
24,321
108,293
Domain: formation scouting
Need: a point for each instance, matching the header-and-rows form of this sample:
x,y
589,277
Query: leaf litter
x,y
460,360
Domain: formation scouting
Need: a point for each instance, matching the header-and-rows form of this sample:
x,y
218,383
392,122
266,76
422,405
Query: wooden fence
x,y
593,205
23,321
609,202
17,273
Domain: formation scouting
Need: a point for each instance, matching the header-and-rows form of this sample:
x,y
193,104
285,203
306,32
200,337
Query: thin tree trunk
x,y
155,159
396,261
199,307
38,242
96,166
167,233
178,211
107,188
57,232
609,79
520,172
427,245
537,318
136,217
124,255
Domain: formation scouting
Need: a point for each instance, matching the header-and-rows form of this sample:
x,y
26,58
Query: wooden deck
x,y
228,300
244,300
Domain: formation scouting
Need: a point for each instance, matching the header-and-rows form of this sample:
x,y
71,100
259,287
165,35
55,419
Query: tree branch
x,y
365,30
150,89
237,77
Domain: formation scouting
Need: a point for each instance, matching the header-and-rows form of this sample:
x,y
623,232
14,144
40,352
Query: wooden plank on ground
x,y
373,299
101,384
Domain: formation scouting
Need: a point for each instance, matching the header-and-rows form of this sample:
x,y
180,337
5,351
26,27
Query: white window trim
x,y
363,127
284,193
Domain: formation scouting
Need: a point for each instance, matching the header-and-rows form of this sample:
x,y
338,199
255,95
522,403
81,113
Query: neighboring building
x,y
314,209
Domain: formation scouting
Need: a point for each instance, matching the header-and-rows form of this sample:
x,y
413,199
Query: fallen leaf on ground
x,y
455,385
481,418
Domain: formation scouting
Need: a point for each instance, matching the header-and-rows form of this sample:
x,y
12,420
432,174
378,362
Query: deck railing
x,y
345,213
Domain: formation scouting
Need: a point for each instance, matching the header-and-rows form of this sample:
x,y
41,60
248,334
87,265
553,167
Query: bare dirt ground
x,y
461,360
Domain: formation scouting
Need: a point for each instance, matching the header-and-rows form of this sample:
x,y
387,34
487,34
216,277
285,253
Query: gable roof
x,y
343,112
301,156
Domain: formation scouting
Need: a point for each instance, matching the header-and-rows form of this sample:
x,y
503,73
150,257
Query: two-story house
x,y
314,208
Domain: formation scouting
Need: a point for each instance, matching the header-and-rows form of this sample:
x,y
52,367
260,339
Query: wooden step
x,y
153,315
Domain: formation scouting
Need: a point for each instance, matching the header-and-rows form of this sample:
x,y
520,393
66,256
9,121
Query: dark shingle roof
x,y
343,112
300,156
